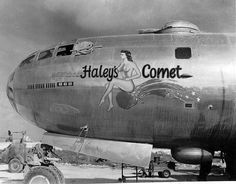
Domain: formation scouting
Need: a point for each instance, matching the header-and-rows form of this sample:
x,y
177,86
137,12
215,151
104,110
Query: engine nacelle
x,y
191,155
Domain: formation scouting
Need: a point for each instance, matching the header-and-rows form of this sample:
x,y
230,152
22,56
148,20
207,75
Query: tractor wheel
x,y
166,173
15,165
59,173
42,175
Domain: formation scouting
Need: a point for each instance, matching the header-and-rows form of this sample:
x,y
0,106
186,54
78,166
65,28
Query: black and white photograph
x,y
117,91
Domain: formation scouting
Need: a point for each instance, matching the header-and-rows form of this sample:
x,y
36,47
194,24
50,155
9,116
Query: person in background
x,y
10,137
151,169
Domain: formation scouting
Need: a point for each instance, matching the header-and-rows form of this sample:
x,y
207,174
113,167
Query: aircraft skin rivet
x,y
210,107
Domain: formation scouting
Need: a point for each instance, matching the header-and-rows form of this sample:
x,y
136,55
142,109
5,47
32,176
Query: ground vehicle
x,y
41,166
158,167
35,159
14,155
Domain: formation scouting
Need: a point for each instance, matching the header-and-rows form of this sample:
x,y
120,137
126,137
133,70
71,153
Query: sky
x,y
27,26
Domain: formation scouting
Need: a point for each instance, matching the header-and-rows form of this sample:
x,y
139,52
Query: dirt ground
x,y
105,174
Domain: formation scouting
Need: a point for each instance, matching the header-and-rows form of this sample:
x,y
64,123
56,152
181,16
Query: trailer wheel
x,y
15,165
59,173
122,180
166,173
42,175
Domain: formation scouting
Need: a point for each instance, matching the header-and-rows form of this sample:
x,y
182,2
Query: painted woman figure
x,y
128,71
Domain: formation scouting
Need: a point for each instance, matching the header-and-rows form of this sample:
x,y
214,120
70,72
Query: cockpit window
x,y
65,50
27,61
46,54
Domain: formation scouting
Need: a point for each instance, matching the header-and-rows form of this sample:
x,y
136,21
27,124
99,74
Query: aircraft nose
x,y
10,91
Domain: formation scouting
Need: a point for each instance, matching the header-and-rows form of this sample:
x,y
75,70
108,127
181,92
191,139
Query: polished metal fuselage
x,y
65,102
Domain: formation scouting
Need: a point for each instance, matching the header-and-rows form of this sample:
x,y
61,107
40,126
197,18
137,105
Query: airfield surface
x,y
105,174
